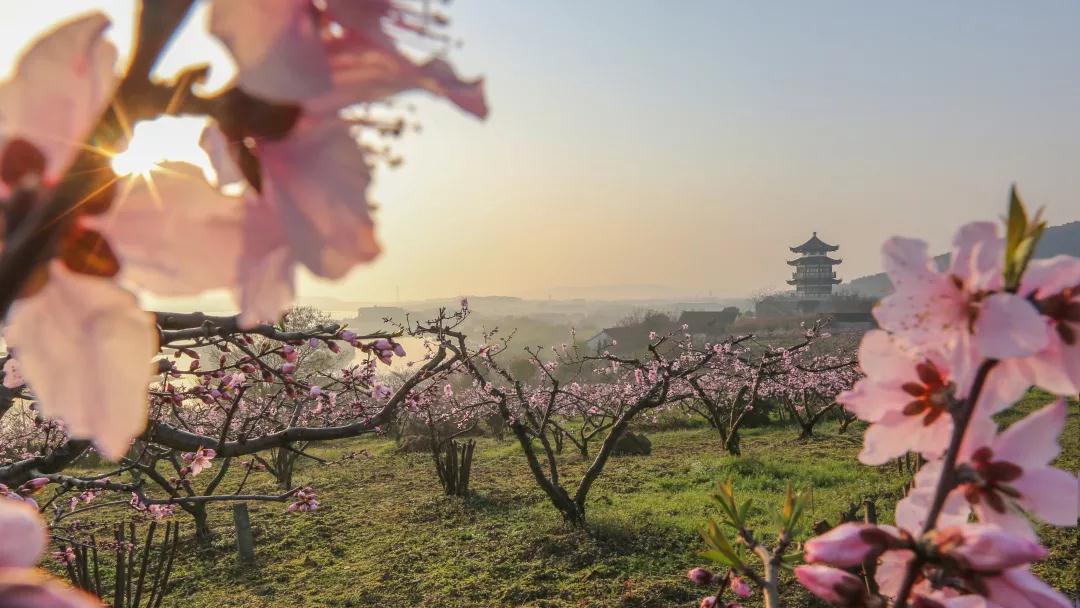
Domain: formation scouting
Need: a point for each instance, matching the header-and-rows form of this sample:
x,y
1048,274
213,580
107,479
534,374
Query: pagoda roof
x,y
811,260
814,281
814,244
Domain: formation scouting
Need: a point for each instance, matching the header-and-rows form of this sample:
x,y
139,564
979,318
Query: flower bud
x,y
832,585
698,576
288,367
987,548
33,486
739,587
708,602
849,544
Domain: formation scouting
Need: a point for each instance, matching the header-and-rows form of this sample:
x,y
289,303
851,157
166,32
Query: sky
x,y
686,145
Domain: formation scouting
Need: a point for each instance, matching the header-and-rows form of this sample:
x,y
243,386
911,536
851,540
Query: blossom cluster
x,y
290,187
957,346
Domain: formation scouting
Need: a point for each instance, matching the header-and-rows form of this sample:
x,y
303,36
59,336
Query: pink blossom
x,y
23,532
290,352
288,367
832,585
59,88
905,396
1003,475
740,587
699,576
1019,588
305,501
1054,287
850,544
12,375
103,395
199,460
24,539
986,548
708,602
948,310
293,55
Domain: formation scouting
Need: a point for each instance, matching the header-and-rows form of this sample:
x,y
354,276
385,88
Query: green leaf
x,y
1021,236
744,510
718,557
715,539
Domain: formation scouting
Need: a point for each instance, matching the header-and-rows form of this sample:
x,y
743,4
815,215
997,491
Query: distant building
x,y
634,339
813,276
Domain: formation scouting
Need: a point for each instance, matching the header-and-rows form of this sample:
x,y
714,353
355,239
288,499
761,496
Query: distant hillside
x,y
1057,240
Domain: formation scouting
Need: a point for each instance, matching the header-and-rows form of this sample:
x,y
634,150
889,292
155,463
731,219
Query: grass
x,y
386,536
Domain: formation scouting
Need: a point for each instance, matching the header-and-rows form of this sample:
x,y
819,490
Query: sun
x,y
157,141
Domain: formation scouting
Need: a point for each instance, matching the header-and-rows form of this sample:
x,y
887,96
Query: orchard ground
x,y
385,535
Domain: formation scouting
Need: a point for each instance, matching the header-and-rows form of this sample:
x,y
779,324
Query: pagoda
x,y
814,276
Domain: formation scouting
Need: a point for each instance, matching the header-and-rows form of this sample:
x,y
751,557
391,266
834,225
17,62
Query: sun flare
x,y
157,141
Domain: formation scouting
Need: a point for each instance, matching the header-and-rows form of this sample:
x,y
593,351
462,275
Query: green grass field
x,y
387,537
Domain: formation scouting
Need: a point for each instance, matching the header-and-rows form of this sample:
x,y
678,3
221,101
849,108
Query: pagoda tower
x,y
814,276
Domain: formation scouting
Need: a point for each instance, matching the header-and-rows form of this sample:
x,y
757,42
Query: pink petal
x,y
1009,326
23,534
1011,519
266,288
882,357
1050,276
1056,368
1050,494
32,588
216,146
317,179
1019,588
1032,442
978,256
367,66
907,262
12,376
846,545
196,230
991,549
276,44
59,89
830,584
85,347
929,314
1004,386
895,435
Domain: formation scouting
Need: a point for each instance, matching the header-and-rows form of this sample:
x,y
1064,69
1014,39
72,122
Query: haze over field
x,y
635,151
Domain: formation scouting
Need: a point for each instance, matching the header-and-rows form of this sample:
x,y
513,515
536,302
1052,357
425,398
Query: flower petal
x,y
23,534
978,256
1050,494
196,230
279,53
1033,441
317,179
1009,326
84,347
59,89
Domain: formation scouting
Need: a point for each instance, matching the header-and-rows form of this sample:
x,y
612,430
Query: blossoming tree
x,y
956,347
289,190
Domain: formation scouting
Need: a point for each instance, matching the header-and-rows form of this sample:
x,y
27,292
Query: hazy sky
x,y
688,144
